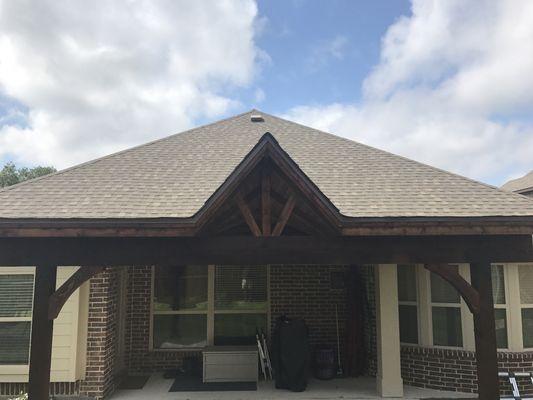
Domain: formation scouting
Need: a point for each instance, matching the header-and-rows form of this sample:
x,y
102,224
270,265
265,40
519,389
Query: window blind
x,y
15,343
525,273
240,287
16,295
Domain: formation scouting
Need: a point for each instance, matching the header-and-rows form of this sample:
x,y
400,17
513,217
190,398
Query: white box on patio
x,y
230,364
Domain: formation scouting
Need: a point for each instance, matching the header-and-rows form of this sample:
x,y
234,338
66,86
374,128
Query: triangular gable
x,y
268,195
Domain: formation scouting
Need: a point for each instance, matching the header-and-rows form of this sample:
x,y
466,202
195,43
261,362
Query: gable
x,y
268,195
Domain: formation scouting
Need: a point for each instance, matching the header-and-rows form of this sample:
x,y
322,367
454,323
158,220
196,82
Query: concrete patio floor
x,y
347,388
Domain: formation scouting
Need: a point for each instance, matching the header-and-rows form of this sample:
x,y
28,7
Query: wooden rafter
x,y
247,214
284,216
60,296
465,289
266,203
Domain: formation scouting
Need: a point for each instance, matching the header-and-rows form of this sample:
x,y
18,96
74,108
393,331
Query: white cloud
x,y
259,95
451,89
324,51
104,76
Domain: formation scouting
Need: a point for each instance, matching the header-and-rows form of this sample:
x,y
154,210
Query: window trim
x,y
22,367
458,305
504,306
210,312
522,305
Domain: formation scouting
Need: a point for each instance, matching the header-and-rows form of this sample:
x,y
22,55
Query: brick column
x,y
101,335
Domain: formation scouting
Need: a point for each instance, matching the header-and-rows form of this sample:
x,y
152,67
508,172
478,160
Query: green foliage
x,y
10,174
21,396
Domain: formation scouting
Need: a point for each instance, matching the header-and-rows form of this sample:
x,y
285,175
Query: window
x,y
445,313
525,276
16,301
240,304
500,306
408,306
180,307
198,305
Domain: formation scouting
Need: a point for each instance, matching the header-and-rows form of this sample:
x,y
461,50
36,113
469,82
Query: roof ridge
x,y
95,160
405,158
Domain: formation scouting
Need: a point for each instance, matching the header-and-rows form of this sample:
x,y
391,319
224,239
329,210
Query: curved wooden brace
x,y
451,275
58,299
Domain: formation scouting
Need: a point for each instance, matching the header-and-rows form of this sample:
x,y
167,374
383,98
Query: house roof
x,y
520,185
175,176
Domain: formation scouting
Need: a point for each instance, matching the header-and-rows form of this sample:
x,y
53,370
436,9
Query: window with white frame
x,y
500,305
194,306
525,275
16,302
445,313
408,303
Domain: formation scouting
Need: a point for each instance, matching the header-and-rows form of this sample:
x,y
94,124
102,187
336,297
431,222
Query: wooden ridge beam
x,y
266,203
60,296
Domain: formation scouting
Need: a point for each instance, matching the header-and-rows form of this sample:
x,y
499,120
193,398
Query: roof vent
x,y
257,118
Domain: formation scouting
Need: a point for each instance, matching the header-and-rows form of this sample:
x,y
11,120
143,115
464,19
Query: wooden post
x,y
41,333
485,333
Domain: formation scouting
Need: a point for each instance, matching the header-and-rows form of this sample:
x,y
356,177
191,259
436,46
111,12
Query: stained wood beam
x,y
264,250
247,214
266,203
452,276
485,333
284,216
61,295
41,333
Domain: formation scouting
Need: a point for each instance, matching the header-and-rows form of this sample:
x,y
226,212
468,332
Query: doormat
x,y
195,384
130,382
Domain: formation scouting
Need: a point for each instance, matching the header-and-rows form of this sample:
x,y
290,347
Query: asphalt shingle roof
x,y
521,184
174,176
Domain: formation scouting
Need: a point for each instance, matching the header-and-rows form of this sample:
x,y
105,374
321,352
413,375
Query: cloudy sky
x,y
449,83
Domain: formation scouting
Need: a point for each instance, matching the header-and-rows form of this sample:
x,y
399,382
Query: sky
x,y
448,83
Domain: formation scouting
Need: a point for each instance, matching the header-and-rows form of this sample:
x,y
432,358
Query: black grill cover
x,y
291,354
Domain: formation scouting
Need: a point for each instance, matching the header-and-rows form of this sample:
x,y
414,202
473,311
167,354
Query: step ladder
x,y
511,376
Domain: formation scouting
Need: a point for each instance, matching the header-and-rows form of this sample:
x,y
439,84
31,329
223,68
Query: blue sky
x,y
445,83
300,38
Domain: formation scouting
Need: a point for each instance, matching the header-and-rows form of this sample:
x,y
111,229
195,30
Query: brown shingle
x,y
173,177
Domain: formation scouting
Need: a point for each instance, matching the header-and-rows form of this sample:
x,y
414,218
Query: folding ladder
x,y
511,376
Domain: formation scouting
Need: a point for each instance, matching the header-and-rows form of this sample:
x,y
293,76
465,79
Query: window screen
x,y
525,274
408,324
16,295
240,288
442,291
447,329
406,283
498,284
16,300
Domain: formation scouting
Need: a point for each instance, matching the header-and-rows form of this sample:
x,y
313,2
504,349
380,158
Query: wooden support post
x,y
485,333
41,333
266,204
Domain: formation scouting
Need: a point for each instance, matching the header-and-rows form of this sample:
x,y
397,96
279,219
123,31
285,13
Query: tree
x,y
10,174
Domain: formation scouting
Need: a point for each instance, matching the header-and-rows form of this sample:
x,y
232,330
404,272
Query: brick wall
x,y
139,358
101,335
296,291
455,370
367,273
304,291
